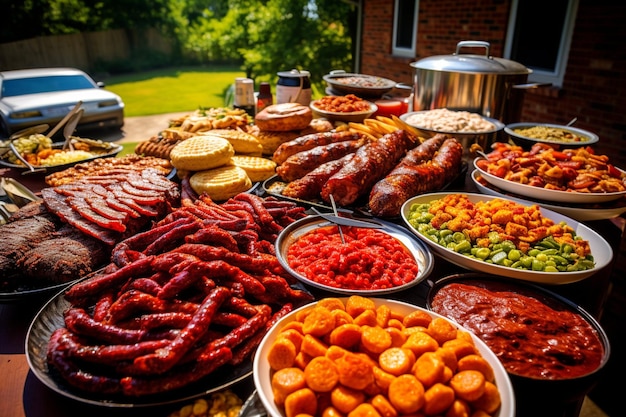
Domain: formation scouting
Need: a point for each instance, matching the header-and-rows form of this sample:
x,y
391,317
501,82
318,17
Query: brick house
x,y
593,86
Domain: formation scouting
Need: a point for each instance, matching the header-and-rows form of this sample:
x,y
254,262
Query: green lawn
x,y
173,90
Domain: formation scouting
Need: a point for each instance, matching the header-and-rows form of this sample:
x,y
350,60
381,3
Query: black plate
x,y
50,318
48,169
274,185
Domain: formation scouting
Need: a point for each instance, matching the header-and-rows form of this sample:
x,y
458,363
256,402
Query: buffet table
x,y
24,395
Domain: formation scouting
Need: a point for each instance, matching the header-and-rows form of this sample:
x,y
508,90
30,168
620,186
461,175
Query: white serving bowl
x,y
262,372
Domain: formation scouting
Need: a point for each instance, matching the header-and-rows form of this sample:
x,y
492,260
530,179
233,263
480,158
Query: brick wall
x,y
594,88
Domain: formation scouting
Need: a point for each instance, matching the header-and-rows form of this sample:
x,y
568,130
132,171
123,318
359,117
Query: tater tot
x,y
285,381
448,357
364,410
383,406
346,336
420,342
395,323
355,371
490,400
321,374
319,322
302,359
438,399
396,361
282,354
417,318
346,399
468,385
302,401
375,339
382,378
406,394
441,330
477,363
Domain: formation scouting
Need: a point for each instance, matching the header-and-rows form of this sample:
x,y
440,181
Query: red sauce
x,y
370,259
533,336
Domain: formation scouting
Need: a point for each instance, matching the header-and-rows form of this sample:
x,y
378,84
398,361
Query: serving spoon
x,y
32,169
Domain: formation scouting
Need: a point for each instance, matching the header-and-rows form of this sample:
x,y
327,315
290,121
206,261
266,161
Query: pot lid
x,y
294,73
471,63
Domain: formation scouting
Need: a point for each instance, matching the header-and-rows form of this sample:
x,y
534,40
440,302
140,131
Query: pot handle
x,y
473,44
529,86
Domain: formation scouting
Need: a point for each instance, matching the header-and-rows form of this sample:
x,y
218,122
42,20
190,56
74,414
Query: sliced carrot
x,y
460,347
313,346
355,371
331,303
383,406
347,335
397,336
383,314
294,336
420,342
364,410
282,354
438,399
302,401
357,304
396,360
341,317
285,381
331,411
302,359
477,363
468,385
490,400
429,369
417,318
318,322
459,408
441,330
406,394
346,399
321,374
375,339
448,357
365,318
382,378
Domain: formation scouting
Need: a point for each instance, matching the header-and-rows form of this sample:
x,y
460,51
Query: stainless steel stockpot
x,y
492,87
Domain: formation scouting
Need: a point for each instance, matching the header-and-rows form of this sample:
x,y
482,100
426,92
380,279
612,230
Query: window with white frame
x,y
539,36
404,28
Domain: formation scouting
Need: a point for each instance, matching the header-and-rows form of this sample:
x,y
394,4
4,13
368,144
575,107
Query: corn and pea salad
x,y
502,232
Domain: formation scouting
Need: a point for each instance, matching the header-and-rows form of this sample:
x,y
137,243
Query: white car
x,y
37,96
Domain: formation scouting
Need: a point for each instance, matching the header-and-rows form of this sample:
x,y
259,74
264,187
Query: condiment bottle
x,y
264,98
244,95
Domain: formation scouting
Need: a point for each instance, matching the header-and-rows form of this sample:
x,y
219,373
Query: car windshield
x,y
18,87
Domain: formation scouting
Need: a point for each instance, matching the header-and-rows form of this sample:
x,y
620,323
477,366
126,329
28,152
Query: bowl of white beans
x,y
468,128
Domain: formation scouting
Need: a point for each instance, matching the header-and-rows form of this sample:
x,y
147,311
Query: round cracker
x,y
221,183
200,153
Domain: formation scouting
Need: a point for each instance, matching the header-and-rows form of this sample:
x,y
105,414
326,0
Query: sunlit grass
x,y
173,90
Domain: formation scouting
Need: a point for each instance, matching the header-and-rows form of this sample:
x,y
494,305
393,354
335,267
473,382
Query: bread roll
x,y
284,117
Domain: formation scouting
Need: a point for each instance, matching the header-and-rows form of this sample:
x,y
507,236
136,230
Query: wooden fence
x,y
80,50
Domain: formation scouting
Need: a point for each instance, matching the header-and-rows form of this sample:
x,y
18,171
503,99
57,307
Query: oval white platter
x,y
600,249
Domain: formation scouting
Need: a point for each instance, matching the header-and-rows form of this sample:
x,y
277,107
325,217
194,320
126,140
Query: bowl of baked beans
x,y
553,350
527,134
348,108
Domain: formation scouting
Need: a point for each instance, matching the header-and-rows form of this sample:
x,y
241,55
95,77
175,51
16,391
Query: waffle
x,y
243,143
257,168
200,153
221,183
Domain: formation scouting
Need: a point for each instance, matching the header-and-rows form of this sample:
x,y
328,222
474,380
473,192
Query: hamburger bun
x,y
284,117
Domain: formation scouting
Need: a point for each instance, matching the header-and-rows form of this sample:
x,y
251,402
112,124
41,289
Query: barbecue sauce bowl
x,y
553,350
